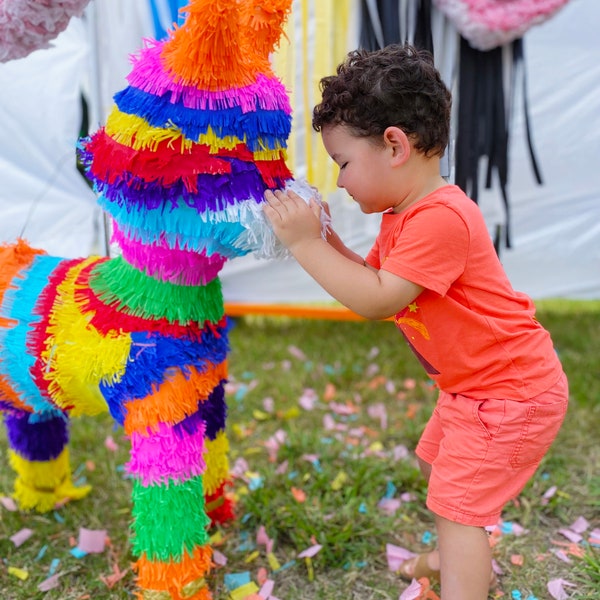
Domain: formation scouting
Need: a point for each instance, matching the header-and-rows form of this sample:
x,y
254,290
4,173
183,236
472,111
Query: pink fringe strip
x,y
148,74
165,455
181,267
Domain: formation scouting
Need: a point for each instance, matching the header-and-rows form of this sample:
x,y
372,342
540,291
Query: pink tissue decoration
x,y
486,24
165,455
28,25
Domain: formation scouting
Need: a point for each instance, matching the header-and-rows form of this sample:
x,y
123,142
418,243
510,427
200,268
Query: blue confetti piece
x,y
81,482
531,597
362,508
426,537
516,595
308,365
317,465
235,580
42,551
390,490
247,375
292,474
53,566
58,517
326,440
329,369
255,483
78,552
241,392
245,518
246,546
287,565
79,470
507,527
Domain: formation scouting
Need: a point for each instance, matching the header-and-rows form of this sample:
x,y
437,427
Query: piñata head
x,y
194,141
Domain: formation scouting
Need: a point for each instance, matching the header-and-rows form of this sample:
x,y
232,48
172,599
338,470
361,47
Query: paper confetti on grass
x,y
19,538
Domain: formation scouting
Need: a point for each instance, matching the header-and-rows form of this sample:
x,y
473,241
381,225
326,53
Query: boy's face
x,y
365,168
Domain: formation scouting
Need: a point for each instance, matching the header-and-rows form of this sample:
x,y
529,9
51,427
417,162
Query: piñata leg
x,y
39,454
170,523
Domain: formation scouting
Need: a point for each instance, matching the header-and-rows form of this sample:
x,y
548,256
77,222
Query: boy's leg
x,y
465,560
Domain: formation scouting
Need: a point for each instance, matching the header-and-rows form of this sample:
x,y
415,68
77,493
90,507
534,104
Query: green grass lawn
x,y
341,406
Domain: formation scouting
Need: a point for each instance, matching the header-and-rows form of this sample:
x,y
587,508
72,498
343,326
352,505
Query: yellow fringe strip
x,y
77,356
136,133
217,463
176,398
41,485
184,579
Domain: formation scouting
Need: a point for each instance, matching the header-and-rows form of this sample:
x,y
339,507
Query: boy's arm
x,y
369,293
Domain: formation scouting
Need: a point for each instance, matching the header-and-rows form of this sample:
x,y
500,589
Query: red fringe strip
x,y
38,337
220,505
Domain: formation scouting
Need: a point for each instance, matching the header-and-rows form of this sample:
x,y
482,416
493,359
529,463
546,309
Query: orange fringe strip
x,y
14,258
177,578
174,400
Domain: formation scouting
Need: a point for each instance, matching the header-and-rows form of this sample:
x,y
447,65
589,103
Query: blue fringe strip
x,y
212,412
153,357
262,129
180,228
15,358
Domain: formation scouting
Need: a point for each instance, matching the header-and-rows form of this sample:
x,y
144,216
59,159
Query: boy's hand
x,y
293,220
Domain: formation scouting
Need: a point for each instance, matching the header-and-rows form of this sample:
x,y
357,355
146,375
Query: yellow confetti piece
x,y
21,574
242,491
252,450
216,538
339,481
309,567
243,591
260,415
376,447
252,556
273,562
292,413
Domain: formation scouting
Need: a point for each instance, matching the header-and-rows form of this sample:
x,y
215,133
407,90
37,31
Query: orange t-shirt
x,y
472,332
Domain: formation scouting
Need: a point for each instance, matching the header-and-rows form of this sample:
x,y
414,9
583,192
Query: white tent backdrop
x,y
555,227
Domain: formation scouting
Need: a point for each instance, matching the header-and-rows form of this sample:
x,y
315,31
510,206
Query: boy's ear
x,y
398,142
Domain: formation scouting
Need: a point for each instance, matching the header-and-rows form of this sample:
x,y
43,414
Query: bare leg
x,y
466,561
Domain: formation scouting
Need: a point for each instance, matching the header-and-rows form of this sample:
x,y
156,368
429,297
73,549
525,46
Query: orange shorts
x,y
483,452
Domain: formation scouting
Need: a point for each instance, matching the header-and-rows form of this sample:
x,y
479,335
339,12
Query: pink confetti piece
x,y
92,541
379,411
50,583
412,592
310,552
571,535
556,588
110,444
400,452
269,404
389,505
262,539
296,352
8,503
19,538
308,399
561,555
267,589
580,525
342,409
219,558
548,494
328,422
282,468
373,353
372,369
396,555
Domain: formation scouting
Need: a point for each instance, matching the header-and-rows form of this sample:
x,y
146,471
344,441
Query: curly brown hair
x,y
395,86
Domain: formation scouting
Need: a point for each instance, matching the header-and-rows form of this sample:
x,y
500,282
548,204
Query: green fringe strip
x,y
169,520
119,284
